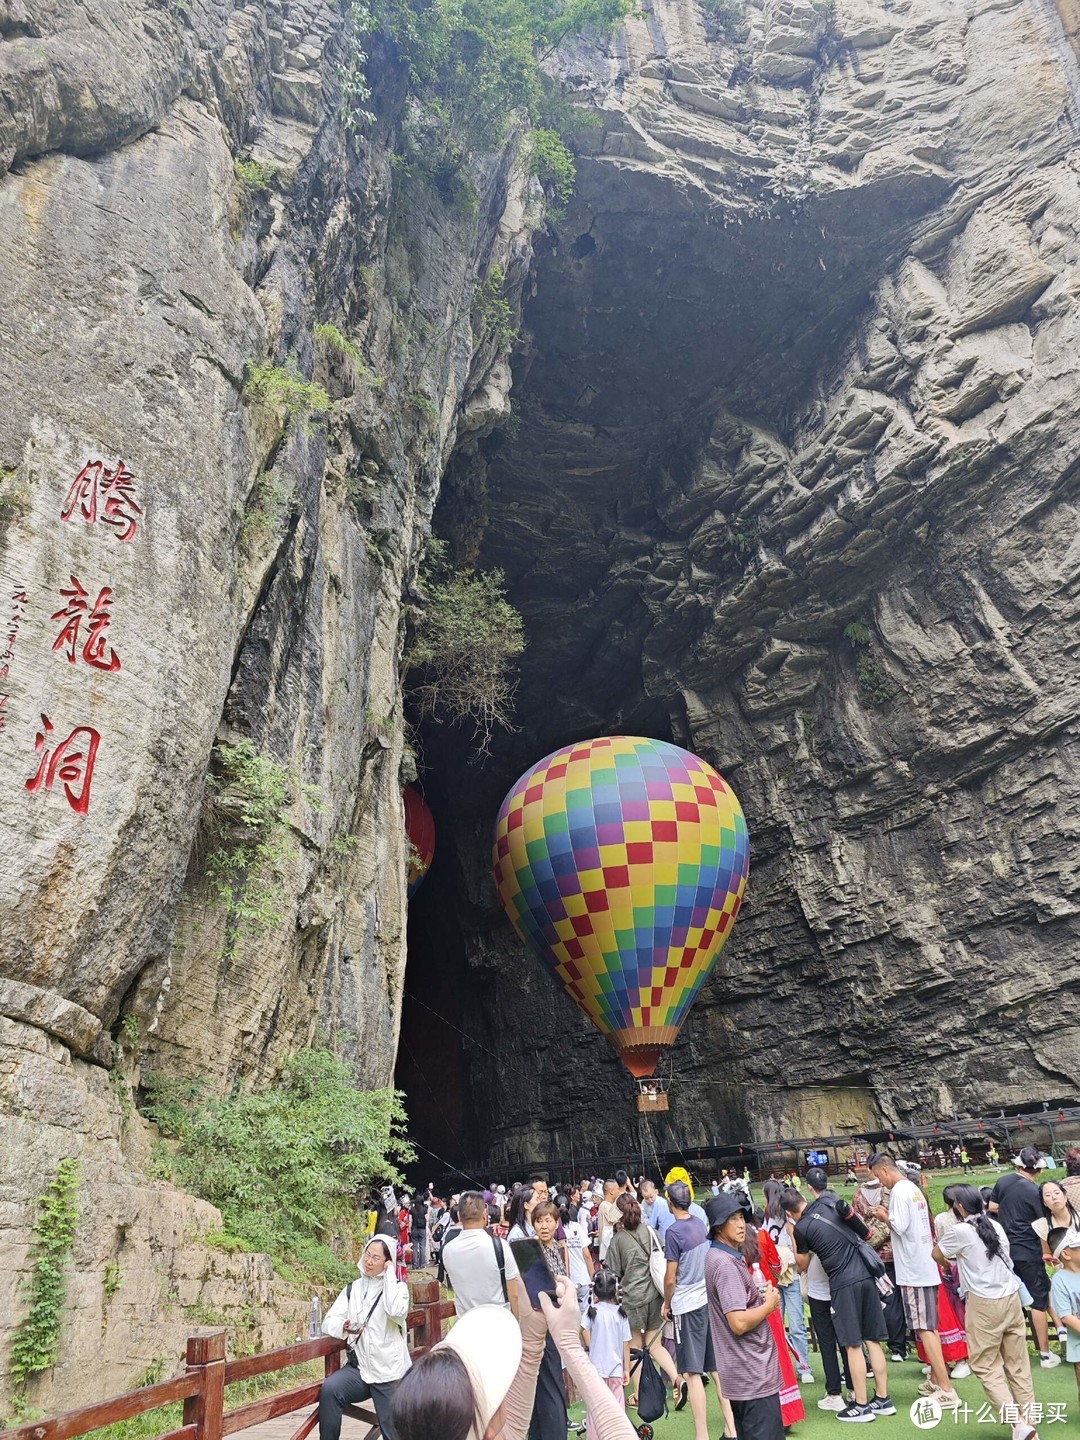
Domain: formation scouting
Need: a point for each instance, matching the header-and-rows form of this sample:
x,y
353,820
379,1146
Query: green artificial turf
x,y
1052,1387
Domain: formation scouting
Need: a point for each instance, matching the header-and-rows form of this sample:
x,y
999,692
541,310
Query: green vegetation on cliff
x,y
477,67
465,641
285,1164
37,1337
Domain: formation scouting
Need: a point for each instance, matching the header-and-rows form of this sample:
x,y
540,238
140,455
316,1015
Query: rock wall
x,y
141,1277
796,485
190,561
793,482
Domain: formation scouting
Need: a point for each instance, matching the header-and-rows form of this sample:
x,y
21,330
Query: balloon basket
x,y
652,1097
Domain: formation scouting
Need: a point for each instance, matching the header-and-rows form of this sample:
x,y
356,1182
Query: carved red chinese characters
x,y
78,609
72,763
98,493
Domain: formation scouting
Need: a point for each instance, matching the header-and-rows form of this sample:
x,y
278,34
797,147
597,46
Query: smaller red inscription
x,y
72,763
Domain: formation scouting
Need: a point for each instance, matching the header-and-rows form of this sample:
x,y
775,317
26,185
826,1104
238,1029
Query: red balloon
x,y
420,828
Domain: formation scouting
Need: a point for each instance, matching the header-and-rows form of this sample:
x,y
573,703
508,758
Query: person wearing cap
x,y
743,1345
478,1383
993,1315
1065,1291
370,1314
1016,1203
686,1245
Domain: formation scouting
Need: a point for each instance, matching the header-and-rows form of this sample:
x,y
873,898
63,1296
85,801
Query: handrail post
x,y
206,1356
425,1296
331,1363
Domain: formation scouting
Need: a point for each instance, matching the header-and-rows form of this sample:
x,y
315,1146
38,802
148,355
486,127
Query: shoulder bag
x,y
500,1260
872,1261
657,1259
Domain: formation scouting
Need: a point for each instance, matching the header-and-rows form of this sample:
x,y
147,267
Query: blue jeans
x,y
795,1317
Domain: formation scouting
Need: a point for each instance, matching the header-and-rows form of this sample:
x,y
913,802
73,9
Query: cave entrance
x,y
433,1066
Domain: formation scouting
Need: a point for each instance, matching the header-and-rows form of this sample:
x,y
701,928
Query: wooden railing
x,y
202,1385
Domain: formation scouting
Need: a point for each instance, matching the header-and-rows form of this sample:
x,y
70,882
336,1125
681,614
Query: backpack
x,y
652,1392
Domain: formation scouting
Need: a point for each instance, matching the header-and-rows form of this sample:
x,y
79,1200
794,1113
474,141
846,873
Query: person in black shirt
x,y
1016,1203
828,1229
419,1231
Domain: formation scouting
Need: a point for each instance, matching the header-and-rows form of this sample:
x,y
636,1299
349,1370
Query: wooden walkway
x,y
287,1425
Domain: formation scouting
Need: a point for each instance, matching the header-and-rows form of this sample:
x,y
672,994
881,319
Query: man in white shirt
x,y
471,1260
917,1275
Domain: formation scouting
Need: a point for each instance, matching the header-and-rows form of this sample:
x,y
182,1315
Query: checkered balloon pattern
x,y
622,864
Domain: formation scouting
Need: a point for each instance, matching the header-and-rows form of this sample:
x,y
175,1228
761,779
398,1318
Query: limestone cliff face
x,y
185,564
796,485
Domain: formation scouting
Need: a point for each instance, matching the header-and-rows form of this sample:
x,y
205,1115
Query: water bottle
x,y
759,1278
315,1318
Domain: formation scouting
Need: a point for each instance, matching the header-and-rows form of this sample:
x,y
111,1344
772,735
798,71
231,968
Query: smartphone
x,y
535,1271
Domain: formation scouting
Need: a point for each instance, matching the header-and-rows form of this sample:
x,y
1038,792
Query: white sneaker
x,y
928,1388
926,1369
831,1402
806,1376
961,1371
947,1399
1049,1362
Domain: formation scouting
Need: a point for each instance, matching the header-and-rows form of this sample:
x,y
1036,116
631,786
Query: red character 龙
x,y
72,763
95,651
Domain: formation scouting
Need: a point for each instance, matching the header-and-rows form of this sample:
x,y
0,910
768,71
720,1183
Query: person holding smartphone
x,y
477,1384
370,1314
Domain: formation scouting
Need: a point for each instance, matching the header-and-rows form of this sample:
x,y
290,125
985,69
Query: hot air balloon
x,y
622,864
420,829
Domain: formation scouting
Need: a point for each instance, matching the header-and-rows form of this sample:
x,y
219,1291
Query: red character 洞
x,y
72,763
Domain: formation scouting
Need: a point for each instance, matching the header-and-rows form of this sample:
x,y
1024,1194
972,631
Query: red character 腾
x,y
120,507
114,489
72,763
83,494
95,651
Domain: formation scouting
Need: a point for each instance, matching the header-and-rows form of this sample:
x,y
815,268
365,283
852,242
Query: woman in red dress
x,y
954,1348
758,1249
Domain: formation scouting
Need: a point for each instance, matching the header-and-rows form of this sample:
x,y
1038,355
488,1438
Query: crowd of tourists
x,y
647,1289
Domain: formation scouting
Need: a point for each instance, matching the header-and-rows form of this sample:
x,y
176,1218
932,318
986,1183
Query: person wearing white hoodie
x,y
370,1314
